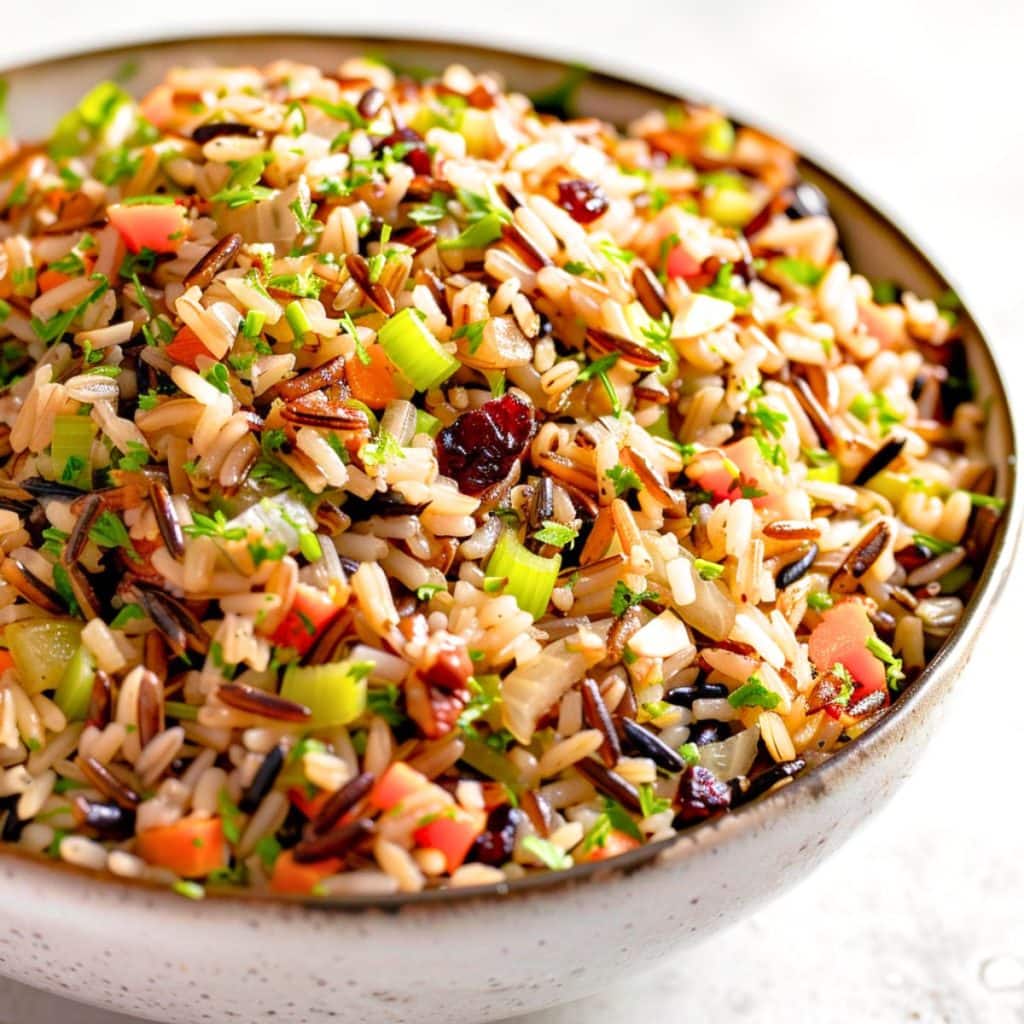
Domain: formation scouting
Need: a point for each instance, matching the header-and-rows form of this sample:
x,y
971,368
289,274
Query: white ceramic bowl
x,y
470,955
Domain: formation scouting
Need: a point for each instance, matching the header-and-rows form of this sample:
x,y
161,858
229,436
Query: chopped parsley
x,y
215,526
110,532
877,406
614,817
557,534
893,666
820,601
754,694
474,332
771,421
230,816
383,450
722,288
623,480
651,804
798,271
623,598
383,702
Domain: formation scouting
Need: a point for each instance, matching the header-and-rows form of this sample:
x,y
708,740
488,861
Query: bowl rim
x,y
750,816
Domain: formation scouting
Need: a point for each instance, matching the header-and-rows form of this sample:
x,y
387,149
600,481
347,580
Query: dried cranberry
x,y
701,794
412,147
482,445
495,844
583,200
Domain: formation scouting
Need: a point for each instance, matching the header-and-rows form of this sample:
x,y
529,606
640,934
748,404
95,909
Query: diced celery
x,y
826,472
74,691
894,486
297,319
730,207
415,351
334,693
477,128
488,761
531,578
71,450
660,427
42,649
427,424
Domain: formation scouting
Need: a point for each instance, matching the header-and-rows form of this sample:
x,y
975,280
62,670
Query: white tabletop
x,y
921,916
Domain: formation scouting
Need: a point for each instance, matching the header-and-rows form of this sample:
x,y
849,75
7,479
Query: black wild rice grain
x,y
861,558
167,520
342,801
797,569
885,456
646,744
219,129
262,703
336,843
263,781
109,820
596,715
108,784
209,265
604,780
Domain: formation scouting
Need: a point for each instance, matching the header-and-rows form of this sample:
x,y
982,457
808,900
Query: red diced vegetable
x,y
291,877
191,847
453,832
310,613
615,842
397,784
718,477
185,348
680,263
841,637
157,226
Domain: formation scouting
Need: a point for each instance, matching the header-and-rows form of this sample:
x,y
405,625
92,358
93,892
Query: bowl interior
x,y
39,93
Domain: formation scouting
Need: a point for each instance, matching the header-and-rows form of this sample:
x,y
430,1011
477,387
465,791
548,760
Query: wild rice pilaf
x,y
403,488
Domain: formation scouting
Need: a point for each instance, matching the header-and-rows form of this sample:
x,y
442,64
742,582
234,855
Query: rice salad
x,y
407,484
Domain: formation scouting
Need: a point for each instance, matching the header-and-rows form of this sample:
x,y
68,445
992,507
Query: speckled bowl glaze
x,y
471,955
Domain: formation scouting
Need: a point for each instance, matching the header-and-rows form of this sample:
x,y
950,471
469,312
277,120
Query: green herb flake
x,y
551,856
381,451
690,753
708,570
556,534
935,545
129,613
109,531
215,526
623,598
651,804
754,694
623,480
894,674
819,601
190,890
474,332
230,816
